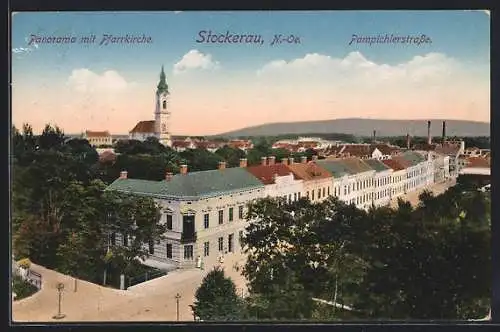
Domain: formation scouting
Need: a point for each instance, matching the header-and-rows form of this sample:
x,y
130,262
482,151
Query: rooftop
x,y
266,173
309,171
195,184
144,127
377,165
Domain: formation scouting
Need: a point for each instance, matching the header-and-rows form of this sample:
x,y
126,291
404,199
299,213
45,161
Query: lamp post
x,y
60,288
177,298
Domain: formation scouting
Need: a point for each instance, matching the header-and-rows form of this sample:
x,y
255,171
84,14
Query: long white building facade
x,y
205,212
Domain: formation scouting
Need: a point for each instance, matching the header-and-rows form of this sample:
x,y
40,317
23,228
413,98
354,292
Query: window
x,y
221,244
151,247
240,234
206,220
113,239
231,214
125,240
169,250
169,221
294,196
221,217
328,191
289,198
188,252
324,192
230,240
312,193
164,104
240,211
298,194
307,194
319,193
206,249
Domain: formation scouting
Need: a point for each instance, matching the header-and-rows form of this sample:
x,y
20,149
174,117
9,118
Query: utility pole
x,y
177,298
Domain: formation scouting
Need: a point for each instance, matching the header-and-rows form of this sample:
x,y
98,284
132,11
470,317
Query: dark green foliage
x,y
22,288
216,298
428,262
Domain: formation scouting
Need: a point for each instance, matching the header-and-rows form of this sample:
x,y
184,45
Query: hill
x,y
365,127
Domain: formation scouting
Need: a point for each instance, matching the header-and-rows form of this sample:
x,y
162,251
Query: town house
x,y
398,177
278,179
382,182
363,176
317,181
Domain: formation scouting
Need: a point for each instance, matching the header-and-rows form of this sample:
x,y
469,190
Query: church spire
x,y
162,85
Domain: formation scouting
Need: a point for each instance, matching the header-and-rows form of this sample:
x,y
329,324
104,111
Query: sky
x,y
324,68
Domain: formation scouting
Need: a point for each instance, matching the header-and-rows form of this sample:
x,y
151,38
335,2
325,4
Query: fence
x,y
143,277
34,278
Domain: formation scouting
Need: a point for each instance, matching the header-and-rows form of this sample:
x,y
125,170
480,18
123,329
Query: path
x,y
437,189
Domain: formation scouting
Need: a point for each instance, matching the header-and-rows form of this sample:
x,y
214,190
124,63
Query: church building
x,y
159,127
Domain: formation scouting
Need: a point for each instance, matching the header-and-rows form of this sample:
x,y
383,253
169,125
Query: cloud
x,y
85,80
356,68
25,50
195,59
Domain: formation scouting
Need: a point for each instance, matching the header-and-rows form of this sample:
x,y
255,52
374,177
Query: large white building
x,y
204,212
159,127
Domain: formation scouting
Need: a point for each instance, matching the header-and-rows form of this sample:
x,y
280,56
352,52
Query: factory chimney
x,y
444,131
408,142
374,136
429,138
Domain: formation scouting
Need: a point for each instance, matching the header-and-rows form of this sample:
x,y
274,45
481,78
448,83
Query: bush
x,y
25,263
22,288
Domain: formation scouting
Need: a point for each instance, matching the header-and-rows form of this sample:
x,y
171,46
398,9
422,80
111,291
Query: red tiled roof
x,y
385,149
90,133
208,145
266,173
144,127
394,164
180,144
107,156
478,162
309,171
358,150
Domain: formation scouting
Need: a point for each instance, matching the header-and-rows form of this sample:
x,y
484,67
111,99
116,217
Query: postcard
x,y
250,166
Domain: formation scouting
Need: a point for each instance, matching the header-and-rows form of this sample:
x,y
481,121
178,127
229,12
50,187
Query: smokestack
x,y
222,165
271,160
291,160
184,169
169,176
303,159
429,138
284,161
408,141
123,174
243,162
444,131
263,160
374,136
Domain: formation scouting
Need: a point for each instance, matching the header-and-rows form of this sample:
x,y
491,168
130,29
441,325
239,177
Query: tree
x,y
216,298
231,155
200,159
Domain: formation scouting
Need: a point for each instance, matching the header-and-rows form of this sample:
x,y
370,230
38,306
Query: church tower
x,y
162,114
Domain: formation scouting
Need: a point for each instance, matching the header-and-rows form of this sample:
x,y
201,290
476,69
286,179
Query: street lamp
x,y
60,288
177,298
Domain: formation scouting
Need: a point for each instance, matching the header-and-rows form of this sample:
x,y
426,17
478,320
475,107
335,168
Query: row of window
x,y
206,217
220,246
321,193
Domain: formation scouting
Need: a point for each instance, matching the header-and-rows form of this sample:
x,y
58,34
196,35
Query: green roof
x,y
376,165
196,184
336,167
413,157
